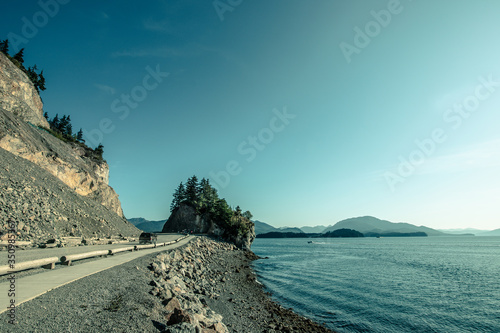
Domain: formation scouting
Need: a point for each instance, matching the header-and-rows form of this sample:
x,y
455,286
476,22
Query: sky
x,y
303,112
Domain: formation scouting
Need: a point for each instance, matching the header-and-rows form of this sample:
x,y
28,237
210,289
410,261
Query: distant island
x,y
339,233
369,226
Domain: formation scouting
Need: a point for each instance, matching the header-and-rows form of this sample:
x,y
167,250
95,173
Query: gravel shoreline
x,y
205,286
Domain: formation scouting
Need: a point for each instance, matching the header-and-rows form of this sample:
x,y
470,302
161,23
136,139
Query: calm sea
x,y
427,284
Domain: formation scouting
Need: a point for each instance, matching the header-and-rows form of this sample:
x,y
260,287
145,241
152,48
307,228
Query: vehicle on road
x,y
148,238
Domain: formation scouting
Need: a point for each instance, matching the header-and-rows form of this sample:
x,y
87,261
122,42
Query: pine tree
x,y
79,136
99,150
40,83
4,46
179,197
208,195
19,56
247,215
192,191
68,129
46,115
62,125
54,123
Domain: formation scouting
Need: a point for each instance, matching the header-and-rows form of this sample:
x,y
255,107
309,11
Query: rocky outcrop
x,y
18,95
185,218
42,207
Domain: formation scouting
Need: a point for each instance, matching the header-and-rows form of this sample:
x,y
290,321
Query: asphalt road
x,y
29,287
38,253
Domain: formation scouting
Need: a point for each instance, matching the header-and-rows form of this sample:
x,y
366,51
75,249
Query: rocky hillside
x,y
186,218
85,177
43,207
20,105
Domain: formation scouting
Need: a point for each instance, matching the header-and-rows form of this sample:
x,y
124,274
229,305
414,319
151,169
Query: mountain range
x,y
370,224
365,224
147,226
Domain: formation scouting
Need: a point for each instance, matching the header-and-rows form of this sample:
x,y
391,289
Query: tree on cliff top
x,y
4,46
205,200
38,80
179,197
192,191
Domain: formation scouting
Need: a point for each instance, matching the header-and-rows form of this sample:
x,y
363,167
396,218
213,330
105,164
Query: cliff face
x,y
77,180
18,95
185,218
19,104
42,207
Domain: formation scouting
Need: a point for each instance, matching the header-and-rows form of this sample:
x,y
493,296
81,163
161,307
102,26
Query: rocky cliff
x,y
18,95
22,134
185,217
20,106
42,207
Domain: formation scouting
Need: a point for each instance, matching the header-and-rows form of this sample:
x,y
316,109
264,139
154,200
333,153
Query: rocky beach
x,y
205,286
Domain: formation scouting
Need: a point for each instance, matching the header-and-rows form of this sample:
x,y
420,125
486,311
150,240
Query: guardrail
x,y
66,260
122,249
50,263
21,266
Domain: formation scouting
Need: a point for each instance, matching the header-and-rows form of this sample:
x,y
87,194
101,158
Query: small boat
x,y
309,242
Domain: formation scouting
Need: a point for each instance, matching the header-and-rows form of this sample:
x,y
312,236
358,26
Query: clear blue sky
x,y
315,107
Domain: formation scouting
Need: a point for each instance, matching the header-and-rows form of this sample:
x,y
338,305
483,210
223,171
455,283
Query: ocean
x,y
420,284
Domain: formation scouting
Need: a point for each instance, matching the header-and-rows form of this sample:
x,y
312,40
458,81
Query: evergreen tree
x,y
179,197
40,82
63,123
4,46
99,150
223,213
46,115
79,136
237,211
32,75
19,56
68,129
247,215
54,123
192,191
208,195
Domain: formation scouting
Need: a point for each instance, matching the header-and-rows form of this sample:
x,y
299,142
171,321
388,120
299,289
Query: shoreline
x,y
204,286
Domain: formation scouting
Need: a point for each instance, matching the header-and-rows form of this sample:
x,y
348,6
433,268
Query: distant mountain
x,y
263,228
472,231
147,226
294,230
495,232
313,230
370,224
137,220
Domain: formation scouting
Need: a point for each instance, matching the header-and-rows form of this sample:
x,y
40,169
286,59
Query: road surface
x,y
29,287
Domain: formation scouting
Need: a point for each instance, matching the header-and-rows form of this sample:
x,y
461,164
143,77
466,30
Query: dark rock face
x,y
185,217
